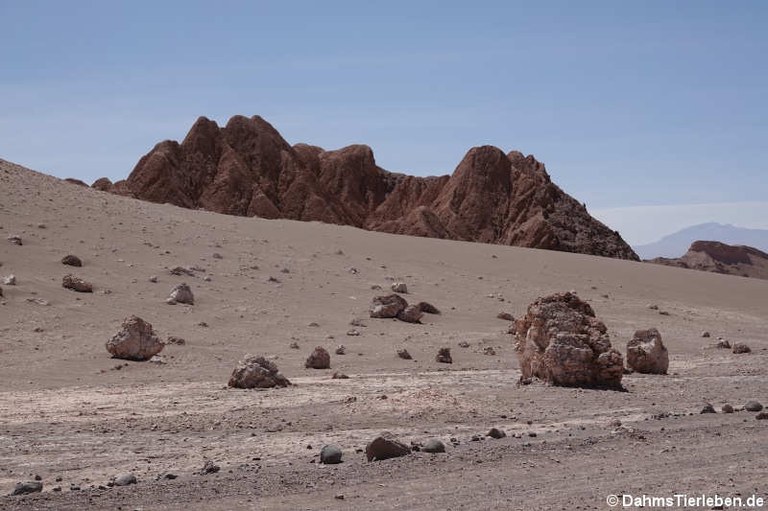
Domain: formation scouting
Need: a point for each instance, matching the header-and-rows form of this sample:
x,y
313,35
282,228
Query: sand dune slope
x,y
74,416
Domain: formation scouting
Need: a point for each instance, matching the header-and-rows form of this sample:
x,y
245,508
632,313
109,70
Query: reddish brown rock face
x,y
246,168
717,257
560,341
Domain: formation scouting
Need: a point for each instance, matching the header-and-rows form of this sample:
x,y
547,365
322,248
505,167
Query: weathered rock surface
x,y
318,359
411,314
103,183
254,372
717,257
384,447
646,353
136,340
388,306
246,168
562,342
182,293
76,284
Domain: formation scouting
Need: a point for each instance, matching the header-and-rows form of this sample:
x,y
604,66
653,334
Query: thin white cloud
x,y
639,225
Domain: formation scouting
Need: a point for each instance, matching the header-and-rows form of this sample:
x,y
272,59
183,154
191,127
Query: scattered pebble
x,y
403,353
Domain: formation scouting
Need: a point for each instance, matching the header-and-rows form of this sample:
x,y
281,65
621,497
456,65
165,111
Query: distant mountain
x,y
721,258
247,168
674,245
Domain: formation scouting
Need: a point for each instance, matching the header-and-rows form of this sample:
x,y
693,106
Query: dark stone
x,y
71,260
496,433
385,446
444,356
27,487
330,454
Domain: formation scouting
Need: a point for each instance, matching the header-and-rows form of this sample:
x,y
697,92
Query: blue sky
x,y
629,104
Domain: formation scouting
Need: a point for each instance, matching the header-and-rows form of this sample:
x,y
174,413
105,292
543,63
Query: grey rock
x,y
385,446
15,239
10,280
330,454
27,487
71,260
428,308
708,408
403,353
318,359
209,467
388,306
646,353
411,314
76,284
433,445
496,433
726,408
254,372
444,356
181,294
723,344
399,287
740,347
125,479
753,406
136,340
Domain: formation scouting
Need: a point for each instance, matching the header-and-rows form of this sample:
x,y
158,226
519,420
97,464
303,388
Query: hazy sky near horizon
x,y
629,104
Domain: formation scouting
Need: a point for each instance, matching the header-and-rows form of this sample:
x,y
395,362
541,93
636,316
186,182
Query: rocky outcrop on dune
x,y
717,257
246,168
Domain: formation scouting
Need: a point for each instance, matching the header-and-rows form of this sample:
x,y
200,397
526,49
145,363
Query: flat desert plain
x,y
75,417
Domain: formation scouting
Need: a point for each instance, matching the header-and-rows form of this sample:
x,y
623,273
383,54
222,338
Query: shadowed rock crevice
x,y
246,168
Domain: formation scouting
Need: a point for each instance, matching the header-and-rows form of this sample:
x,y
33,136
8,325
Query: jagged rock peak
x,y
247,168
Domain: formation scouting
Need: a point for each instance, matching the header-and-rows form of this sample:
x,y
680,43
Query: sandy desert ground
x,y
76,417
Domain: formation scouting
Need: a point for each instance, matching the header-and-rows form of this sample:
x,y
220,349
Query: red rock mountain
x,y
246,168
721,258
